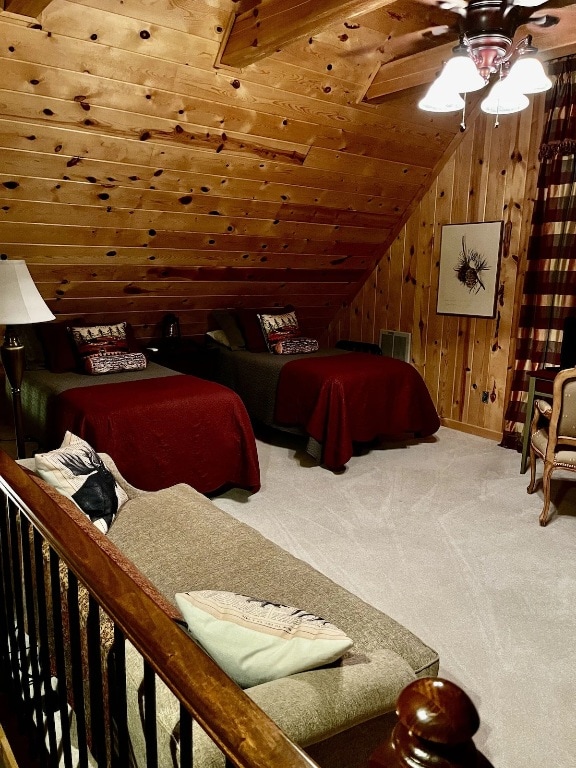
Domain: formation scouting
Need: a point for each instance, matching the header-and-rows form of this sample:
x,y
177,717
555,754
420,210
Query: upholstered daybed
x,y
180,541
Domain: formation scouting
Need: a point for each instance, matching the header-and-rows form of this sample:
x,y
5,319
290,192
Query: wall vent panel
x,y
396,344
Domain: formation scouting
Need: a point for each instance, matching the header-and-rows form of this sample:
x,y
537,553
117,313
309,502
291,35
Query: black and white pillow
x,y
115,362
77,472
295,346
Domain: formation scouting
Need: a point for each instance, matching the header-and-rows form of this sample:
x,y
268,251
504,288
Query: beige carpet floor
x,y
442,536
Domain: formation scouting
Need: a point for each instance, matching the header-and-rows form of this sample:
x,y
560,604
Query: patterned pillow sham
x,y
295,346
251,327
276,328
114,362
76,471
98,339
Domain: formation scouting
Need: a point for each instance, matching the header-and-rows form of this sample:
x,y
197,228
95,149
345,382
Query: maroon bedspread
x,y
353,398
177,429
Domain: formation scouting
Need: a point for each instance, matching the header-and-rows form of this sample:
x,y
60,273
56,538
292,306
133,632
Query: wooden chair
x,y
553,434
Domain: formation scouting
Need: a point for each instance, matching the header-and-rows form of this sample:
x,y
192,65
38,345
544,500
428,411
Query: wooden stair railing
x,y
32,520
436,723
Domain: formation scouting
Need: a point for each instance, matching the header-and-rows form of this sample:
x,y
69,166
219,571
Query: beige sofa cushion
x,y
181,542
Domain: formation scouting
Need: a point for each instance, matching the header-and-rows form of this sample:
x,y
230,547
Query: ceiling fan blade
x,y
528,3
544,21
443,29
456,6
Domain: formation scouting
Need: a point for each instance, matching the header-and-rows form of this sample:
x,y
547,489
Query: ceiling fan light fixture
x,y
461,75
528,76
441,98
504,99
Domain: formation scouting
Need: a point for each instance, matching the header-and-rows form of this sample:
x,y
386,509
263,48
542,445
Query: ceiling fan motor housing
x,y
489,27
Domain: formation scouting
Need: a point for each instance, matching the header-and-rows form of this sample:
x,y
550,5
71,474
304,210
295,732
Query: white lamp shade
x,y
460,74
20,301
441,99
504,100
528,76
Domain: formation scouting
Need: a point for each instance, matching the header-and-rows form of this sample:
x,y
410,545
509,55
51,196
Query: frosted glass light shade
x,y
460,74
441,99
504,100
20,301
528,76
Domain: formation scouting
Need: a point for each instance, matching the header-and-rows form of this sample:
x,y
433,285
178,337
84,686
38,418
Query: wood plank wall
x,y
137,179
492,176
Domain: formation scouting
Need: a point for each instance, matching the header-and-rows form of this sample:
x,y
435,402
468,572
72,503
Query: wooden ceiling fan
x,y
486,29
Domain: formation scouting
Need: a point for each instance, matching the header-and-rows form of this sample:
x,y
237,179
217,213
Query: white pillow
x,y
220,337
254,640
77,472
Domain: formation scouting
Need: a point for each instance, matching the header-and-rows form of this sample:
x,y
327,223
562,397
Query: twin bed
x,y
340,400
164,428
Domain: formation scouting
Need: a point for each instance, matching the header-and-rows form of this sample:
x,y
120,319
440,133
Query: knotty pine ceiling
x,y
186,155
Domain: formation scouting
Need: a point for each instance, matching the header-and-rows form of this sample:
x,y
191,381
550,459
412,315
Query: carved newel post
x,y
436,723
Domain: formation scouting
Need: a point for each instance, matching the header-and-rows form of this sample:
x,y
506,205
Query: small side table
x,y
540,385
187,356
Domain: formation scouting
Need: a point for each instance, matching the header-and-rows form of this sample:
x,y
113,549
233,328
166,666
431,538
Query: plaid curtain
x,y
549,293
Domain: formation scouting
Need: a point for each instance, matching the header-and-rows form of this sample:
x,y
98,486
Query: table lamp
x,y
20,304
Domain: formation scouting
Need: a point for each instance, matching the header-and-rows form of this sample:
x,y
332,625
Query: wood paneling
x,y
491,177
136,174
139,175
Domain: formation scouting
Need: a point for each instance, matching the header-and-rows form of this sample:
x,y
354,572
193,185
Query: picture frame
x,y
469,268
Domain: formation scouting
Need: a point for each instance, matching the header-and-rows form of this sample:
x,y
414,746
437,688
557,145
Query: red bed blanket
x,y
350,398
177,429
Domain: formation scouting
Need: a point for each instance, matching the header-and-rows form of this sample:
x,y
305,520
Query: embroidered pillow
x,y
97,339
251,327
295,346
114,362
76,471
255,640
276,328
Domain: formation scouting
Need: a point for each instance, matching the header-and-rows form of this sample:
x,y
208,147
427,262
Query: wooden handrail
x,y
244,733
436,723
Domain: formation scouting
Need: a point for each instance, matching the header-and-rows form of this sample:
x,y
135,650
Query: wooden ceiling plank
x,y
419,69
258,32
31,8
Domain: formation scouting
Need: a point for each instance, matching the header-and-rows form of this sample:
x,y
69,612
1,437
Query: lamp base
x,y
13,360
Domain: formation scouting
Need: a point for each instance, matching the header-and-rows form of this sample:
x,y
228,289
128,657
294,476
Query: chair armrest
x,y
543,407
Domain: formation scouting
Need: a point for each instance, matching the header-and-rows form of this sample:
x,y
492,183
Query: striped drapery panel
x,y
549,292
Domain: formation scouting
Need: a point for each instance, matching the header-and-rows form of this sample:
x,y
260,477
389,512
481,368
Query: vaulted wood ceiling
x,y
181,155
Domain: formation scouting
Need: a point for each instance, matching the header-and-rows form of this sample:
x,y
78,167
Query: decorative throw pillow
x,y
226,319
276,328
33,350
295,346
255,640
114,362
76,471
98,339
249,322
58,347
219,337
